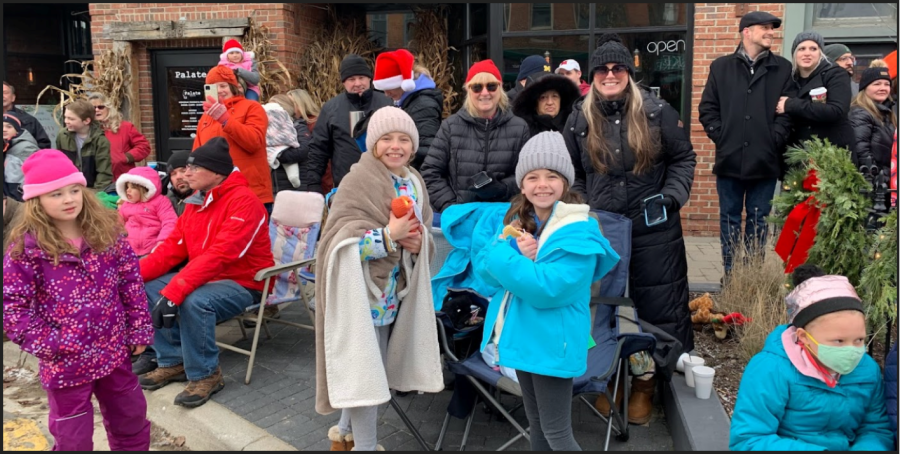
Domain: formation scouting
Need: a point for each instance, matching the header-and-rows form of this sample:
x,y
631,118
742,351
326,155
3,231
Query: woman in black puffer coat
x,y
873,118
484,136
828,119
627,145
545,102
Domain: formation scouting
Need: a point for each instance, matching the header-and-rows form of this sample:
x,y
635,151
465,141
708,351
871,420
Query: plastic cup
x,y
679,366
703,381
690,363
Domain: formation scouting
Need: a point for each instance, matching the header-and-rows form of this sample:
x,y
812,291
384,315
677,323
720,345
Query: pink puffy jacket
x,y
150,221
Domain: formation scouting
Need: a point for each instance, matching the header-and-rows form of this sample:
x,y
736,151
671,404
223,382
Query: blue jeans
x,y
192,341
734,194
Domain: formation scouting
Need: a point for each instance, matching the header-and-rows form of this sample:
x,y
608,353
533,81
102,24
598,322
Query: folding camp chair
x,y
294,232
615,331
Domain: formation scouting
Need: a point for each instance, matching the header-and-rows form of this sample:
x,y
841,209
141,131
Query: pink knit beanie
x,y
48,170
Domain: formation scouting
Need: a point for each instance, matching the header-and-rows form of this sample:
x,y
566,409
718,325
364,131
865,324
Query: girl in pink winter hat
x,y
149,217
234,57
73,297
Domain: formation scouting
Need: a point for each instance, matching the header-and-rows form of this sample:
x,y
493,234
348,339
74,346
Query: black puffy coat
x,y
874,136
426,108
463,147
737,111
658,270
299,156
829,120
332,140
33,126
525,105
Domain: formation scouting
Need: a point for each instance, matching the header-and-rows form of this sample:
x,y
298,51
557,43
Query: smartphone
x,y
210,90
481,179
654,210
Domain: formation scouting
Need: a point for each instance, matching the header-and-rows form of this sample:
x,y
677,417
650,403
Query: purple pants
x,y
122,405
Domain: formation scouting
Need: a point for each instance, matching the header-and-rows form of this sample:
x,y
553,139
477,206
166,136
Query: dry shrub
x,y
430,46
274,77
755,288
109,74
321,60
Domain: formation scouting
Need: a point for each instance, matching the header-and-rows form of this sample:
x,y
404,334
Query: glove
x,y
163,313
216,110
669,203
491,191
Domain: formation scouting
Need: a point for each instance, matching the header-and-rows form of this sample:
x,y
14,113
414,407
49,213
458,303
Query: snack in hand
x,y
401,206
511,231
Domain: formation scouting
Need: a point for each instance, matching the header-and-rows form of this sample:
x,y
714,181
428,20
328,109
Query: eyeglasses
x,y
192,168
99,107
849,58
616,69
491,86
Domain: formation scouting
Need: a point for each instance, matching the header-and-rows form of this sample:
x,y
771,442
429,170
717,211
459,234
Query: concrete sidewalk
x,y
704,255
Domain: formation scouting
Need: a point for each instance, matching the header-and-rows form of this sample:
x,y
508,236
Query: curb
x,y
703,287
695,424
211,427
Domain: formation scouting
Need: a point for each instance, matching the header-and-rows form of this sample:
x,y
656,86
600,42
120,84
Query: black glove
x,y
163,313
669,203
492,191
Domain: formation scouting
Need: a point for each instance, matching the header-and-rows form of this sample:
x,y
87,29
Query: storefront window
x,y
390,31
185,93
621,15
872,13
522,17
560,48
660,60
478,19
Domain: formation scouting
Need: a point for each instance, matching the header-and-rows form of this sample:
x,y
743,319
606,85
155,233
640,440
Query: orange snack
x,y
510,230
401,206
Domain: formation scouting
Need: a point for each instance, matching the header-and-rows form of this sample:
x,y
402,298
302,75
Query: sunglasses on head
x,y
491,86
616,69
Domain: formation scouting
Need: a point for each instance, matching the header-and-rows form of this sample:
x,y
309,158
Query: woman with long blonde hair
x,y
473,156
127,145
306,112
630,152
872,115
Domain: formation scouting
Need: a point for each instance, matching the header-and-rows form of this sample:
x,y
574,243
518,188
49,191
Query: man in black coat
x,y
340,132
29,123
737,111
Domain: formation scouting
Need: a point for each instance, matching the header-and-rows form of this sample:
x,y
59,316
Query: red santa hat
x,y
230,46
394,70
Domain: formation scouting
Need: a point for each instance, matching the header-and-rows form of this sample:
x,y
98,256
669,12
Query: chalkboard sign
x,y
44,115
185,93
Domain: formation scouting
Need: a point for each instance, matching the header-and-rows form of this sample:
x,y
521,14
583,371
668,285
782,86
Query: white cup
x,y
679,366
703,380
689,363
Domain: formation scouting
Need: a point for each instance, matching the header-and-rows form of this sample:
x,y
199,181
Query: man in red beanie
x,y
243,124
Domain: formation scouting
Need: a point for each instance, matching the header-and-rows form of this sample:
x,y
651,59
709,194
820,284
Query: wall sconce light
x,y
637,60
30,76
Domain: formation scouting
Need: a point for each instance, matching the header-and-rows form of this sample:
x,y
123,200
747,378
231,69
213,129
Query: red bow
x,y
799,233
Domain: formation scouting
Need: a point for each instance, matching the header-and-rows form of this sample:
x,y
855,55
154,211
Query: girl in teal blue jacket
x,y
539,322
813,387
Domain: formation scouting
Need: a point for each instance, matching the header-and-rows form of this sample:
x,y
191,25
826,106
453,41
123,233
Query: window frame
x,y
531,17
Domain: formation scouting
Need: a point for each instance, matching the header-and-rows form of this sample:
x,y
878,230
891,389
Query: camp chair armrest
x,y
266,273
612,301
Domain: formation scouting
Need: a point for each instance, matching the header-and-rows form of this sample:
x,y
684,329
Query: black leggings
x,y
548,405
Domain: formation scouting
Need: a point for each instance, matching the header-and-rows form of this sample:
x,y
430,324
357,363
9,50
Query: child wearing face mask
x,y
813,387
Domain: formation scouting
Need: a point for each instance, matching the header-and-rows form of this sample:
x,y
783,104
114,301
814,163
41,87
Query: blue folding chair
x,y
615,330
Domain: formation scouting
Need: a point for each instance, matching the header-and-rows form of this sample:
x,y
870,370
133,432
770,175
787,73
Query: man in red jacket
x,y
223,234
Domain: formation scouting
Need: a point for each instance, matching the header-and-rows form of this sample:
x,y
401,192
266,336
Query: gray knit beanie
x,y
610,50
834,51
546,150
391,119
809,36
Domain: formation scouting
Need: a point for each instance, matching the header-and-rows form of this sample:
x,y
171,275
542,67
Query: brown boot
x,y
640,403
162,376
196,393
602,404
340,442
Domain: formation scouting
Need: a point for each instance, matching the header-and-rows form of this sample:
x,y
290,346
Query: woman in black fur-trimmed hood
x,y
545,102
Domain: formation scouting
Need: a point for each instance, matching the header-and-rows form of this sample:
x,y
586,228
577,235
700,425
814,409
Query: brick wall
x,y
290,29
715,34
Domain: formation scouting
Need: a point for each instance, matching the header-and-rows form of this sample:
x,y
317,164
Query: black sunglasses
x,y
491,86
99,107
616,69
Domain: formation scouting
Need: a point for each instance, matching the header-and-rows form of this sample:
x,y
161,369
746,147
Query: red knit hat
x,y
221,74
484,66
48,170
394,70
230,46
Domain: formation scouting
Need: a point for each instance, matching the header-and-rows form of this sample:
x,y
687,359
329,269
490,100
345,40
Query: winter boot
x,y
197,393
602,404
640,402
340,442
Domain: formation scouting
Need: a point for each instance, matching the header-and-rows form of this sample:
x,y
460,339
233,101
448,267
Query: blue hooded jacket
x,y
780,409
548,322
890,389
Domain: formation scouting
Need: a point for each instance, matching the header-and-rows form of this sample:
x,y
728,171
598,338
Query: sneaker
x,y
162,376
269,311
143,365
196,393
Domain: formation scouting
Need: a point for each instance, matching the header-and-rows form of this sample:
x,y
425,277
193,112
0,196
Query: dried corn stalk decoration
x,y
109,74
429,45
321,60
274,77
